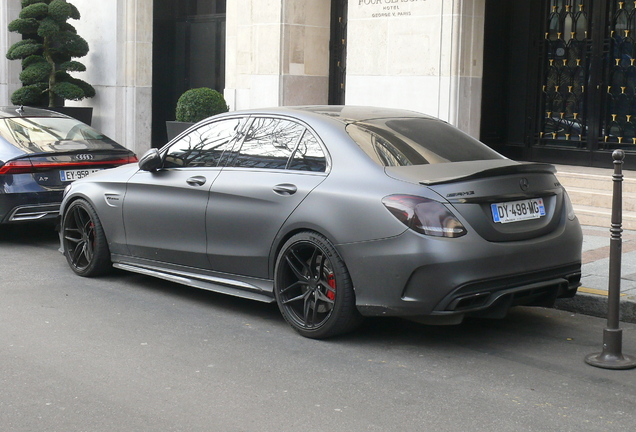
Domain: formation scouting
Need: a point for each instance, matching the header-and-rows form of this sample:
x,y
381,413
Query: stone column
x,y
9,69
119,66
277,52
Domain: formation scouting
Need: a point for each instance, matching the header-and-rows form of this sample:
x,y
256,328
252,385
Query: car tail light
x,y
23,166
424,215
568,206
17,167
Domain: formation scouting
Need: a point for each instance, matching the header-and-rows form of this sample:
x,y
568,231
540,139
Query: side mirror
x,y
150,161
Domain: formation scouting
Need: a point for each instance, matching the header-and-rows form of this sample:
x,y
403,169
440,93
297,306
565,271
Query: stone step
x,y
599,198
590,190
593,181
597,216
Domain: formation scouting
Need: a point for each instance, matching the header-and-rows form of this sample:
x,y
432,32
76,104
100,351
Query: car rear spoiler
x,y
521,168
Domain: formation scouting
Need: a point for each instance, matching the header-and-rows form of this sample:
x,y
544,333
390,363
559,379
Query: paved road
x,y
131,353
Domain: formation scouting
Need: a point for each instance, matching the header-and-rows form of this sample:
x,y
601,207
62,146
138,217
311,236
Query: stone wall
x,y
424,55
277,52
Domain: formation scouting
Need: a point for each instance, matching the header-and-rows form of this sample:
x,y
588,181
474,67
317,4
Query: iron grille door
x,y
588,93
338,52
619,108
567,59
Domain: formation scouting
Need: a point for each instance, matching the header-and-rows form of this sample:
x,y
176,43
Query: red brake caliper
x,y
331,280
92,226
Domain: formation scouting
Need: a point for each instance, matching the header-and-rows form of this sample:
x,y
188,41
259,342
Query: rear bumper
x,y
494,297
33,206
414,276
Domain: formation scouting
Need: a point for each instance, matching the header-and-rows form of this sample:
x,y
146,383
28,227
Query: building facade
x,y
544,80
119,65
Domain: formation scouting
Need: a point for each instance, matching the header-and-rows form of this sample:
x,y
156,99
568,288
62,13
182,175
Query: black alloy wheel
x,y
84,241
313,287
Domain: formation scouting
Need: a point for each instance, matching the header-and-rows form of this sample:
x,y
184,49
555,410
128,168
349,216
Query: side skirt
x,y
249,288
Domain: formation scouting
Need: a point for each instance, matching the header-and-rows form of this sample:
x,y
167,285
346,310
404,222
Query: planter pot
x,y
83,114
174,128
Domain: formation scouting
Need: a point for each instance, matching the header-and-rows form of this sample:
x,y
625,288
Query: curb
x,y
597,305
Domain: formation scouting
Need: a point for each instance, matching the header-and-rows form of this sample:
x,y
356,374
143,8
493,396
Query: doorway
x,y
188,52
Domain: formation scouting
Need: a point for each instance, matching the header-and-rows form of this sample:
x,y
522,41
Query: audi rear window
x,y
417,141
50,134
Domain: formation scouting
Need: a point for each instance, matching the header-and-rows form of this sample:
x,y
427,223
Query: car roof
x,y
342,113
24,111
350,113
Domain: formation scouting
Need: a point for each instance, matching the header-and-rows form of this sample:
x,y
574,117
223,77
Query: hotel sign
x,y
361,9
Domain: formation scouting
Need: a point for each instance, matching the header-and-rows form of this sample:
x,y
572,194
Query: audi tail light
x,y
424,216
25,166
17,167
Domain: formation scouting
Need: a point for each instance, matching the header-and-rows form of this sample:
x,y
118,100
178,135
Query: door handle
x,y
196,181
285,189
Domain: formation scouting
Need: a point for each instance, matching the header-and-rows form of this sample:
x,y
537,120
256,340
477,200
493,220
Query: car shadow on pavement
x,y
522,326
536,337
31,233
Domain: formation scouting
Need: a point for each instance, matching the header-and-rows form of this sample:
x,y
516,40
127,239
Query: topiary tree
x,y
196,104
48,46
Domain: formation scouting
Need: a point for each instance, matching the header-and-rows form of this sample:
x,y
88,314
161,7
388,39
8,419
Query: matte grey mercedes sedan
x,y
335,213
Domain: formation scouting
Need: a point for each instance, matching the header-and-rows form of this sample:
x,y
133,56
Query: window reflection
x,y
269,143
309,155
204,146
413,141
47,133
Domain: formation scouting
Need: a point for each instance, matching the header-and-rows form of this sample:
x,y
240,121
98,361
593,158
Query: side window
x,y
204,146
309,155
269,143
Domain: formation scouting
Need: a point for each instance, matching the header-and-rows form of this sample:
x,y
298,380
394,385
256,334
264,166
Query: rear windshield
x,y
47,134
417,141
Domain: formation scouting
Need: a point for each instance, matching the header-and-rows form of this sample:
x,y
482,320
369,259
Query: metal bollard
x,y
612,357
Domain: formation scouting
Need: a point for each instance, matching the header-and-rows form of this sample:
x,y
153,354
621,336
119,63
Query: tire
x,y
313,288
83,239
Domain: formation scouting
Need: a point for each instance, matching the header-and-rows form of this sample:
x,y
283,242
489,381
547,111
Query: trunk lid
x,y
56,170
473,188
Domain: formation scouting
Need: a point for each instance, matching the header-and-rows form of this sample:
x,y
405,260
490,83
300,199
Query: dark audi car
x,y
334,213
41,152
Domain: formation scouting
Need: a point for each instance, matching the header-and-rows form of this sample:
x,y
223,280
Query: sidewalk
x,y
591,298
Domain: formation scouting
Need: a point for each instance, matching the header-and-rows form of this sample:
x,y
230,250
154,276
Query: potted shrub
x,y
193,106
47,49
